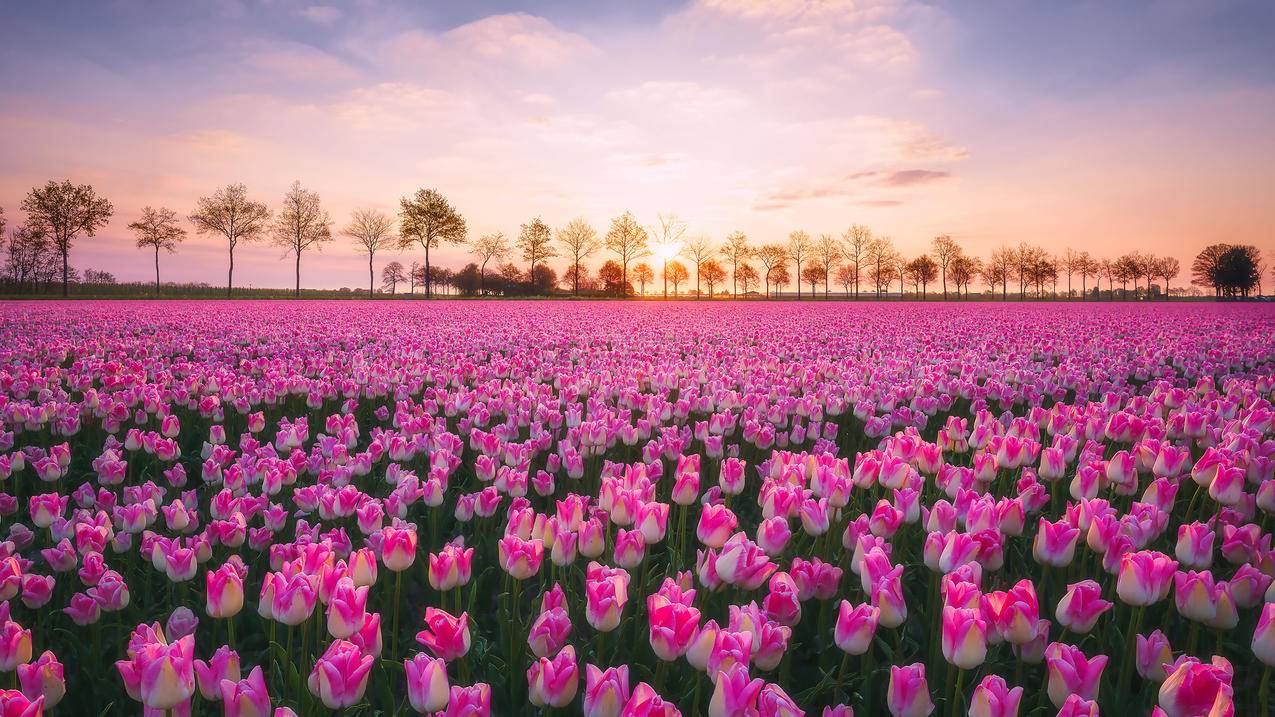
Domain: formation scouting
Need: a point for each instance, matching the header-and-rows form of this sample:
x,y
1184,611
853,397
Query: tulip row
x,y
613,510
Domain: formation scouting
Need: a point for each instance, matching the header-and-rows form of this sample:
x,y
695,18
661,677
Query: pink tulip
x,y
246,698
716,524
1081,606
520,558
451,567
855,628
161,675
908,694
606,692
964,637
15,704
427,688
1153,653
554,682
994,698
347,609
735,695
1196,688
43,679
339,677
225,592
15,646
1055,543
294,599
645,702
223,665
398,548
549,632
672,626
471,701
1145,577
1015,612
606,594
444,635
1070,672
1077,706
1195,545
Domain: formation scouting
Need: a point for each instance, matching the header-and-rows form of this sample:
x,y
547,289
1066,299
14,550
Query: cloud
x,y
321,14
912,177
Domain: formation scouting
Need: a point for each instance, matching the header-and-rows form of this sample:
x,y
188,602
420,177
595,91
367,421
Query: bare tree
x,y
799,249
302,223
827,252
488,247
856,241
675,272
922,270
428,219
945,251
535,239
772,256
698,249
392,275
66,211
847,276
230,213
879,255
371,231
736,252
1071,261
158,229
581,242
1086,267
745,275
666,234
963,270
999,269
1167,268
628,239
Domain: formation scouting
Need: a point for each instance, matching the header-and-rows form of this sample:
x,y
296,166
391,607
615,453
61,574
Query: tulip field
x,y
636,508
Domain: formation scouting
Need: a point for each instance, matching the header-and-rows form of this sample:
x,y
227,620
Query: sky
x,y
1101,126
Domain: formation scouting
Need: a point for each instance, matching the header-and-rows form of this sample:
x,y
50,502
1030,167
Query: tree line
x,y
857,261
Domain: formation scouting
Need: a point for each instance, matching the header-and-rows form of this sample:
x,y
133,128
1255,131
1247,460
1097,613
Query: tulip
x,y
339,677
15,704
1077,706
1145,577
1070,672
734,694
855,628
225,592
964,638
1195,545
15,646
162,676
1153,653
644,702
520,558
398,548
43,679
1055,543
1016,612
549,632
994,698
472,701
716,524
1264,635
223,665
908,694
427,688
451,567
1195,688
605,692
605,598
347,608
554,682
444,635
672,627
246,698
1081,606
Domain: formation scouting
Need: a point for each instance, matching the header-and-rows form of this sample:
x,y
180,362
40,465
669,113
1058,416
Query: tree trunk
x,y
945,282
65,270
156,270
230,276
427,271
298,291
371,277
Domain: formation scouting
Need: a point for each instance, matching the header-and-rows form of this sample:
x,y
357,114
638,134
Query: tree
x,y
1086,267
428,219
542,279
699,249
999,269
581,241
945,251
392,275
415,276
879,255
799,248
780,277
468,280
230,213
628,239
30,259
488,247
922,270
371,231
1167,268
963,270
643,274
675,272
158,229
1230,270
736,252
667,234
827,252
612,277
746,275
66,211
856,241
535,240
712,273
847,276
771,256
814,274
302,223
